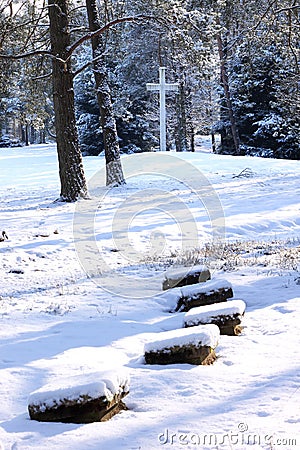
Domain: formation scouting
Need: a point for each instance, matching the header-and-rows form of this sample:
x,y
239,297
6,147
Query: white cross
x,y
162,87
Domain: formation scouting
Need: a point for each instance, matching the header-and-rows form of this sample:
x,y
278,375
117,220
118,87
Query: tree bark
x,y
184,135
72,178
181,139
114,171
225,85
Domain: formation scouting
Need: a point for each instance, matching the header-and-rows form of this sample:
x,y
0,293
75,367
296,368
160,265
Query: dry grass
x,y
230,256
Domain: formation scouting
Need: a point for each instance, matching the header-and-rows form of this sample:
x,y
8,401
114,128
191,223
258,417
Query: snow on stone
x,y
183,271
93,386
206,313
170,297
182,276
202,335
203,288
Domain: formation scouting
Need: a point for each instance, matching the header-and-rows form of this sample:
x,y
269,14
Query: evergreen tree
x,y
264,76
25,106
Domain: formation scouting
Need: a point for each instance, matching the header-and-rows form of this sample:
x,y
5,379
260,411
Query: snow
x,y
93,386
205,335
175,274
56,323
204,314
169,298
210,286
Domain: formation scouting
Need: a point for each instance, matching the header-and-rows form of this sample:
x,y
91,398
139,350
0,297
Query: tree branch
x,y
265,13
89,63
288,8
42,77
106,27
80,41
29,54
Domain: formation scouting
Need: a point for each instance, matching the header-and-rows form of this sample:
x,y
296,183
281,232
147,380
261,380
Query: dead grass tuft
x,y
230,256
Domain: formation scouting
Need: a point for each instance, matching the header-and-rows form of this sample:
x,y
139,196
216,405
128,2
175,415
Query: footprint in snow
x,y
263,414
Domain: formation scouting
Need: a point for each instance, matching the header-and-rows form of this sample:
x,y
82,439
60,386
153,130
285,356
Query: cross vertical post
x,y
162,109
162,87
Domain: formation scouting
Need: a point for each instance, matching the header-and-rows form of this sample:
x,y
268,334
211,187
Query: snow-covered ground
x,y
56,322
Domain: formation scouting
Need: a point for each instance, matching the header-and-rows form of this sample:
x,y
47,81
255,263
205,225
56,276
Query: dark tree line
x,y
237,63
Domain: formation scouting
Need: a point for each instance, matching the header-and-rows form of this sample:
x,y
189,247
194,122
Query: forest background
x,y
236,62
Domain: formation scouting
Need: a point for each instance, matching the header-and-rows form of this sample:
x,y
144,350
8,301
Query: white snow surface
x,y
170,297
202,335
58,323
93,386
207,312
174,274
207,287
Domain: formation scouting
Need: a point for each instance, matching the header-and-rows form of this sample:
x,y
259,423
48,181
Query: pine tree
x,y
264,83
73,183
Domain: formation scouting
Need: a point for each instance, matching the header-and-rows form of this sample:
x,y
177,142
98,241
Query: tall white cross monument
x,y
162,87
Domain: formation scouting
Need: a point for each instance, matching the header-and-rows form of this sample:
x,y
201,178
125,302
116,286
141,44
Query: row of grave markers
x,y
207,314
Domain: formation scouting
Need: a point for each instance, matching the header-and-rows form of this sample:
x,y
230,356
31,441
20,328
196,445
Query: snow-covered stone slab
x,y
227,316
187,345
184,276
184,298
81,399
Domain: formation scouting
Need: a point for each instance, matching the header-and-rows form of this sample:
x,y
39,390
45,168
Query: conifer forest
x,y
236,63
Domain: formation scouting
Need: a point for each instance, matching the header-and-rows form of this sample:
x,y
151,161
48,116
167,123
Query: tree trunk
x,y
26,129
225,85
192,138
181,140
213,142
72,178
42,135
184,134
114,172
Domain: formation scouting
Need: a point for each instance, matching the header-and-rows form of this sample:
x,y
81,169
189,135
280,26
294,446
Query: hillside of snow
x,y
80,289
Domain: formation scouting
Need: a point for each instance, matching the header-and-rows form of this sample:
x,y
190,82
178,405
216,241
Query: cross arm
x,y
152,87
171,87
167,86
